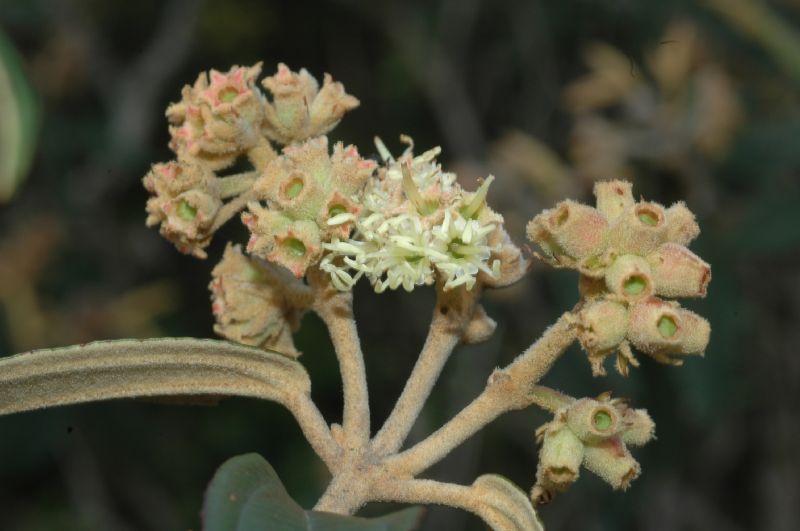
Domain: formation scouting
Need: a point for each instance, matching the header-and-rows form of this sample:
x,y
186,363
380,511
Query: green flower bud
x,y
678,272
612,461
630,278
660,328
613,198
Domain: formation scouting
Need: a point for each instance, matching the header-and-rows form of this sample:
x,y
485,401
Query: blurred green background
x,y
691,100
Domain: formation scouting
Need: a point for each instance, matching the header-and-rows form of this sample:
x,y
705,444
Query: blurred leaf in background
x,y
19,118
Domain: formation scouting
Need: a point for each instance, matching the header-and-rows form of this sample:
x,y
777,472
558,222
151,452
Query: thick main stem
x,y
447,327
335,308
507,389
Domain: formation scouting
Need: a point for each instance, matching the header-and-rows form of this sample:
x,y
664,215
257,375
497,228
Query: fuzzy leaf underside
x,y
130,368
247,495
504,506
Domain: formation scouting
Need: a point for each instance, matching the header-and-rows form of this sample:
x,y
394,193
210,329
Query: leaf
x,y
247,495
138,368
19,123
504,506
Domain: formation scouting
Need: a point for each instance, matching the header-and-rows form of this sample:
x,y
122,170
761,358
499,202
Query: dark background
x,y
484,79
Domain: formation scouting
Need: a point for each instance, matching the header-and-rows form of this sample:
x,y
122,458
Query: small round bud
x,y
660,328
630,277
612,461
480,327
602,325
613,197
678,272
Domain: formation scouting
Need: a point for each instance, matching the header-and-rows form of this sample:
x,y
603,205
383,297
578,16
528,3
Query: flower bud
x,y
639,427
559,459
630,277
678,272
513,264
602,325
593,421
659,328
612,461
681,225
297,247
613,198
639,229
569,232
248,303
299,110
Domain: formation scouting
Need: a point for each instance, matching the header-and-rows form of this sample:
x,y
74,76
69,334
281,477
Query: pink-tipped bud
x,y
681,225
602,325
593,421
630,277
570,231
660,328
640,229
612,461
678,272
613,197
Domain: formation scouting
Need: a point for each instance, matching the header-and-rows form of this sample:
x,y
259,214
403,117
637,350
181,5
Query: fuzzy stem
x,y
315,429
233,185
335,308
427,491
446,329
231,208
549,399
507,389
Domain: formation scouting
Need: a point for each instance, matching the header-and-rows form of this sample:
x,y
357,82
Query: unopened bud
x,y
593,421
480,327
640,229
630,277
660,328
681,225
639,427
613,197
559,458
602,325
678,272
570,229
612,461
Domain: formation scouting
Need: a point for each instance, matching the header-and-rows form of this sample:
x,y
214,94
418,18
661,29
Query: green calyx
x,y
295,247
666,326
634,285
335,210
186,211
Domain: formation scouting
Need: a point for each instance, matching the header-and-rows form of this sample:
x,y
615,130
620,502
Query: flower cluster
x,y
184,204
255,303
222,119
312,197
629,255
595,434
418,224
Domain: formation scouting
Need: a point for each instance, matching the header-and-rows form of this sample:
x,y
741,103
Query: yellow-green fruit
x,y
602,325
593,421
658,327
560,458
612,461
613,197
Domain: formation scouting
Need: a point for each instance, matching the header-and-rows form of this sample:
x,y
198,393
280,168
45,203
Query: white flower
x,y
464,250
